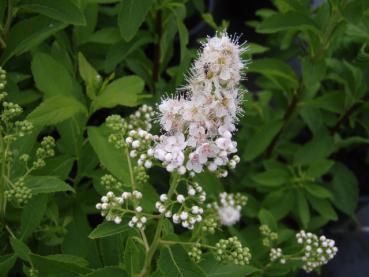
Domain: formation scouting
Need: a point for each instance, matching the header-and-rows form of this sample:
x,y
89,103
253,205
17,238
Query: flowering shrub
x,y
124,152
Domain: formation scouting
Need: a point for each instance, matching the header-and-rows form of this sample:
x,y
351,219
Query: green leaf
x,y
174,261
56,109
260,140
272,177
313,73
6,263
323,207
268,219
29,33
274,68
119,51
133,256
302,208
318,191
279,203
319,168
113,160
89,75
20,249
330,101
123,91
65,11
107,271
131,17
345,189
107,229
108,35
215,269
51,77
46,184
317,149
287,21
59,166
32,215
59,263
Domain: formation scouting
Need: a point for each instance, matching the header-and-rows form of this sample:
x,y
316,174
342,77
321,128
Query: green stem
x,y
156,240
133,184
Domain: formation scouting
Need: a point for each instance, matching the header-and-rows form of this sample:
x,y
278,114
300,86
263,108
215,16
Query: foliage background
x,y
303,139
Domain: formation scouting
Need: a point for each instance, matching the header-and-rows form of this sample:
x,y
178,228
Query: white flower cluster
x,y
112,209
189,212
317,251
229,207
276,254
198,128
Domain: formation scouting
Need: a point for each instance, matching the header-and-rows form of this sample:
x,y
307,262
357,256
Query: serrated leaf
x,y
59,263
20,249
51,77
113,160
302,208
28,33
174,261
287,21
345,189
89,75
32,215
318,191
123,91
133,254
6,263
58,166
274,68
323,207
65,11
46,184
132,14
107,229
260,140
272,178
56,109
215,269
268,219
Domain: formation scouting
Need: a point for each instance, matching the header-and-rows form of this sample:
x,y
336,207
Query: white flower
x,y
201,124
228,215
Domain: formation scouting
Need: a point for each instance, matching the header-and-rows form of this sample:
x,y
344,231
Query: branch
x,y
348,113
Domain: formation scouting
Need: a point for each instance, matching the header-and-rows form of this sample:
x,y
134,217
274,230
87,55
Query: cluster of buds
x,y
231,251
139,141
111,184
114,207
275,254
46,150
229,207
268,235
19,193
317,250
9,112
141,118
137,122
140,174
189,212
209,224
195,253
